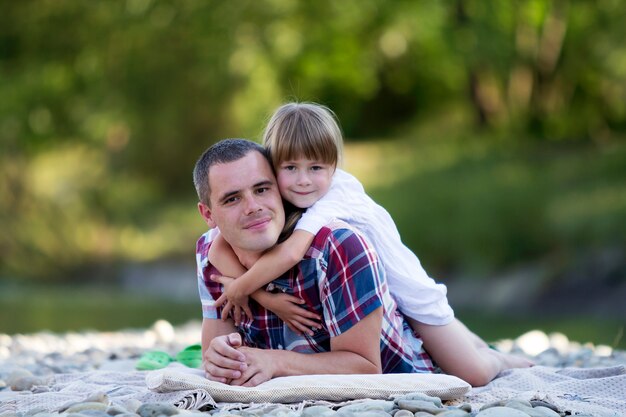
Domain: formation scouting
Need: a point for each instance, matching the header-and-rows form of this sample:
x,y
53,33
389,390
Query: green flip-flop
x,y
191,356
154,359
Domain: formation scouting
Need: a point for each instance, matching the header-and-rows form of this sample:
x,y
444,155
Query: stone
x,y
318,411
115,410
156,409
26,383
420,396
419,405
403,413
99,397
94,413
499,403
465,407
35,411
84,406
515,402
283,412
365,413
454,413
369,405
521,406
539,403
132,405
501,412
544,412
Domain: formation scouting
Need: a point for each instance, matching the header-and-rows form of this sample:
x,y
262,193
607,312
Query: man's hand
x,y
223,361
259,367
231,304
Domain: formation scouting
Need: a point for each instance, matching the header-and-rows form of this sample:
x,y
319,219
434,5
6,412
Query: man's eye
x,y
261,190
230,200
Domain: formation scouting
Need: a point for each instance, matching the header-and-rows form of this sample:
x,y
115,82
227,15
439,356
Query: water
x,y
28,309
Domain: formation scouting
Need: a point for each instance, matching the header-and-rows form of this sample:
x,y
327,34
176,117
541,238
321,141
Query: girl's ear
x,y
205,212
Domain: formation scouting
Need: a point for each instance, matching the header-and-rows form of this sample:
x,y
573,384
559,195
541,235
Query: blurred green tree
x,y
106,105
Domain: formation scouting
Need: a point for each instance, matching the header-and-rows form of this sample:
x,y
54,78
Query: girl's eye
x,y
316,167
289,168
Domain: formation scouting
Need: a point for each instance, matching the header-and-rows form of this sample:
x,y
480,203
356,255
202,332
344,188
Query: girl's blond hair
x,y
303,130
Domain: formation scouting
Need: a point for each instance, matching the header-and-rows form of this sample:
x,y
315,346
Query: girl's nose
x,y
303,179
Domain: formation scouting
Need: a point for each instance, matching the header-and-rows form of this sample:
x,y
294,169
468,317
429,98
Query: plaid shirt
x,y
340,279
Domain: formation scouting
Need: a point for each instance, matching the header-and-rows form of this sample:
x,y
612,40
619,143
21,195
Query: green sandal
x,y
191,356
154,359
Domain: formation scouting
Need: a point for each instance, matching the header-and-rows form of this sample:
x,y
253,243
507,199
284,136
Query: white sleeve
x,y
342,201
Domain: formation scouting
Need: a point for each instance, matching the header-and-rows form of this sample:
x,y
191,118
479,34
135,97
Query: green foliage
x,y
106,105
476,206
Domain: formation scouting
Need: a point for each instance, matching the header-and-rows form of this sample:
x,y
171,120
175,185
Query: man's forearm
x,y
356,351
290,363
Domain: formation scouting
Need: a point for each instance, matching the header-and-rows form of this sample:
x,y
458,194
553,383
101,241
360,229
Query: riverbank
x,y
28,361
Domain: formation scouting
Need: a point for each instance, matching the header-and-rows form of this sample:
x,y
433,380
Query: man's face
x,y
245,203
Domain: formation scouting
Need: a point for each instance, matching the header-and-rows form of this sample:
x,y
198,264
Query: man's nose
x,y
252,205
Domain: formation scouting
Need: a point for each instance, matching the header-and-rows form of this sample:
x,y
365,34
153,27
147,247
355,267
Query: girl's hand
x,y
237,309
288,309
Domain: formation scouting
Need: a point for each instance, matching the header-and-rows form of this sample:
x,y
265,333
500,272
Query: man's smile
x,y
258,223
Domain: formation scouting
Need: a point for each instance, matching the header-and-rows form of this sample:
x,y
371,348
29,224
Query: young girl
x,y
305,145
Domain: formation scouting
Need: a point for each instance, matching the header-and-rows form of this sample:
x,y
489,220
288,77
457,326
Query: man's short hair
x,y
224,151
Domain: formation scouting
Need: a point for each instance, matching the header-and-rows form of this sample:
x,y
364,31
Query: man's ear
x,y
205,212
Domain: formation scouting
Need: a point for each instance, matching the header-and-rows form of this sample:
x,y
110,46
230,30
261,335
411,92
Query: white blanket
x,y
597,391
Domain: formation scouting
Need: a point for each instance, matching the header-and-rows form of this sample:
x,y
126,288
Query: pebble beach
x,y
27,360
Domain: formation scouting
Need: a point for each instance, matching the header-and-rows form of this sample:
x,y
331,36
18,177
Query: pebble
x,y
115,410
403,413
28,361
318,411
501,412
156,410
421,397
369,405
419,405
85,406
454,413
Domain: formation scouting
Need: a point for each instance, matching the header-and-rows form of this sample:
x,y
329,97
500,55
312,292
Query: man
x,y
339,278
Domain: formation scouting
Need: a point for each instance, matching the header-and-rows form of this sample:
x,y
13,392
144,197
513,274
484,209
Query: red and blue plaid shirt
x,y
339,278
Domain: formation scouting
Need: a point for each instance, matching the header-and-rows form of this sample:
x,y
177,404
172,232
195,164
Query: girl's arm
x,y
222,257
286,307
280,259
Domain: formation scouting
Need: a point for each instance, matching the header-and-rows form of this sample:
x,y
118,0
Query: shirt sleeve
x,y
342,201
352,286
208,290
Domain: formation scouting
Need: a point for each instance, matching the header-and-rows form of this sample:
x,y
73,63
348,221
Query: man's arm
x,y
356,351
220,358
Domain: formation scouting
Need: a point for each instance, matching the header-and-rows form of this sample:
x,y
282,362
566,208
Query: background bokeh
x,y
493,132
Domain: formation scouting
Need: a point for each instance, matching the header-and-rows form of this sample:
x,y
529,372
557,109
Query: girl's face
x,y
303,181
